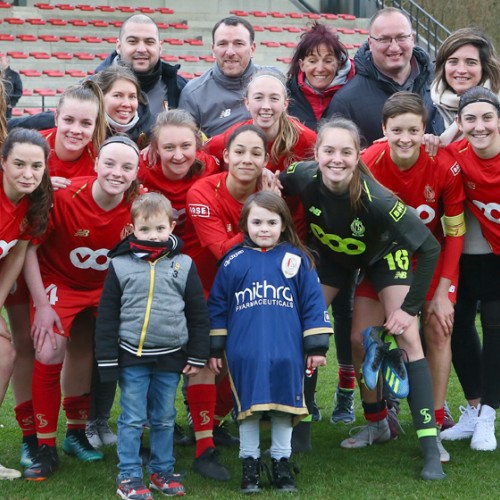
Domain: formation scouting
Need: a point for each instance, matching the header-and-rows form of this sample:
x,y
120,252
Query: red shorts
x,y
19,293
68,303
366,288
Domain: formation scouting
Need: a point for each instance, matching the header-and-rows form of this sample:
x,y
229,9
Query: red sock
x,y
224,400
26,418
347,377
77,410
201,400
375,412
46,401
439,415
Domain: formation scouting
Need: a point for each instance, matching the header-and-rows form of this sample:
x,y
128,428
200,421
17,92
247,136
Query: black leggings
x,y
478,370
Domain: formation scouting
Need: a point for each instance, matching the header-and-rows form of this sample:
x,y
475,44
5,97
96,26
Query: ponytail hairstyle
x,y
288,135
182,119
89,90
356,186
41,198
277,205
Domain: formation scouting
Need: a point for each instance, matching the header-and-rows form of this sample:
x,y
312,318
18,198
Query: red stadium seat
x,y
289,45
361,31
258,28
92,39
164,10
179,26
49,38
102,55
189,58
110,39
98,23
274,29
292,29
312,15
53,73
186,75
70,39
209,59
40,55
14,20
65,56
270,44
146,10
32,111
78,22
173,41
347,17
84,56
295,15
286,60
44,6
16,112
5,37
239,13
27,92
123,8
277,15
65,6
257,13
57,22
86,8
91,72
193,41
169,58
76,73
27,38
163,26
329,16
105,8
45,92
36,21
30,72
116,24
15,54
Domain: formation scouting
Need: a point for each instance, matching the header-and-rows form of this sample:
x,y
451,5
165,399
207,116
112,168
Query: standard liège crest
x,y
357,228
290,265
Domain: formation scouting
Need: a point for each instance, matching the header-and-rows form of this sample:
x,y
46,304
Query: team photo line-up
x,y
217,234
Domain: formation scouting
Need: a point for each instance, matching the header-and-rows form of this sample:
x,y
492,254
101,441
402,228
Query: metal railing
x,y
429,32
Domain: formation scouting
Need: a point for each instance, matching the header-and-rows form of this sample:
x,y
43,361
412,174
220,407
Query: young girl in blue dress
x,y
267,316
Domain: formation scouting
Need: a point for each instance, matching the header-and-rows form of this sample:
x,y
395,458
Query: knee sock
x,y
46,401
375,412
201,399
347,377
224,400
26,419
422,411
77,410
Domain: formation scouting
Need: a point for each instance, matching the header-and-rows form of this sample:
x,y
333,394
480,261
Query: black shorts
x,y
331,274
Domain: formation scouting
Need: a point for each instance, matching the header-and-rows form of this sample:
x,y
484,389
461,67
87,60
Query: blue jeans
x,y
147,395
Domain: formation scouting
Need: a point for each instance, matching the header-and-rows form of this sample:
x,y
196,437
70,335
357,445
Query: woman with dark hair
x,y
478,119
25,201
320,67
65,271
467,58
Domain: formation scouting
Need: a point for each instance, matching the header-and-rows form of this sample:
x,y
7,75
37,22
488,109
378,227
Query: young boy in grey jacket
x,y
152,325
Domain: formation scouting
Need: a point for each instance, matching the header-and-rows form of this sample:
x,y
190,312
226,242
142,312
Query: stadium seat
x,y
5,37
329,16
116,24
16,112
35,21
65,56
85,8
173,41
53,73
312,15
44,6
71,39
289,45
57,22
102,55
65,6
110,39
163,26
92,39
125,9
49,38
15,54
258,28
186,75
164,10
347,17
295,15
179,26
274,29
189,58
169,58
277,15
286,60
30,72
32,111
193,41
27,92
257,13
210,59
292,29
146,10
5,5
105,8
14,20
26,37
77,73
270,44
40,55
239,13
78,22
45,92
98,23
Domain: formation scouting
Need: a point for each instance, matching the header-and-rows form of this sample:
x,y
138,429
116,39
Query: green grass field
x,y
389,470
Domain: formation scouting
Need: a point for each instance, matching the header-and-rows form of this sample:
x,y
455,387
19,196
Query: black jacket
x,y
363,98
13,86
168,73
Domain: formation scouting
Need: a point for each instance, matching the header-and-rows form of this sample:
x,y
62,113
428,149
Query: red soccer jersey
x,y
153,180
74,252
433,186
11,220
482,189
58,168
215,215
303,150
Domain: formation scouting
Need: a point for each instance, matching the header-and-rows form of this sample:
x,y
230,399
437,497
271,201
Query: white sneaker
x,y
371,433
444,456
484,438
464,428
92,434
8,473
107,436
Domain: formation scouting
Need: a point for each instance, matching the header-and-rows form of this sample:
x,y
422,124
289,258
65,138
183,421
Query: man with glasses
x,y
387,63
